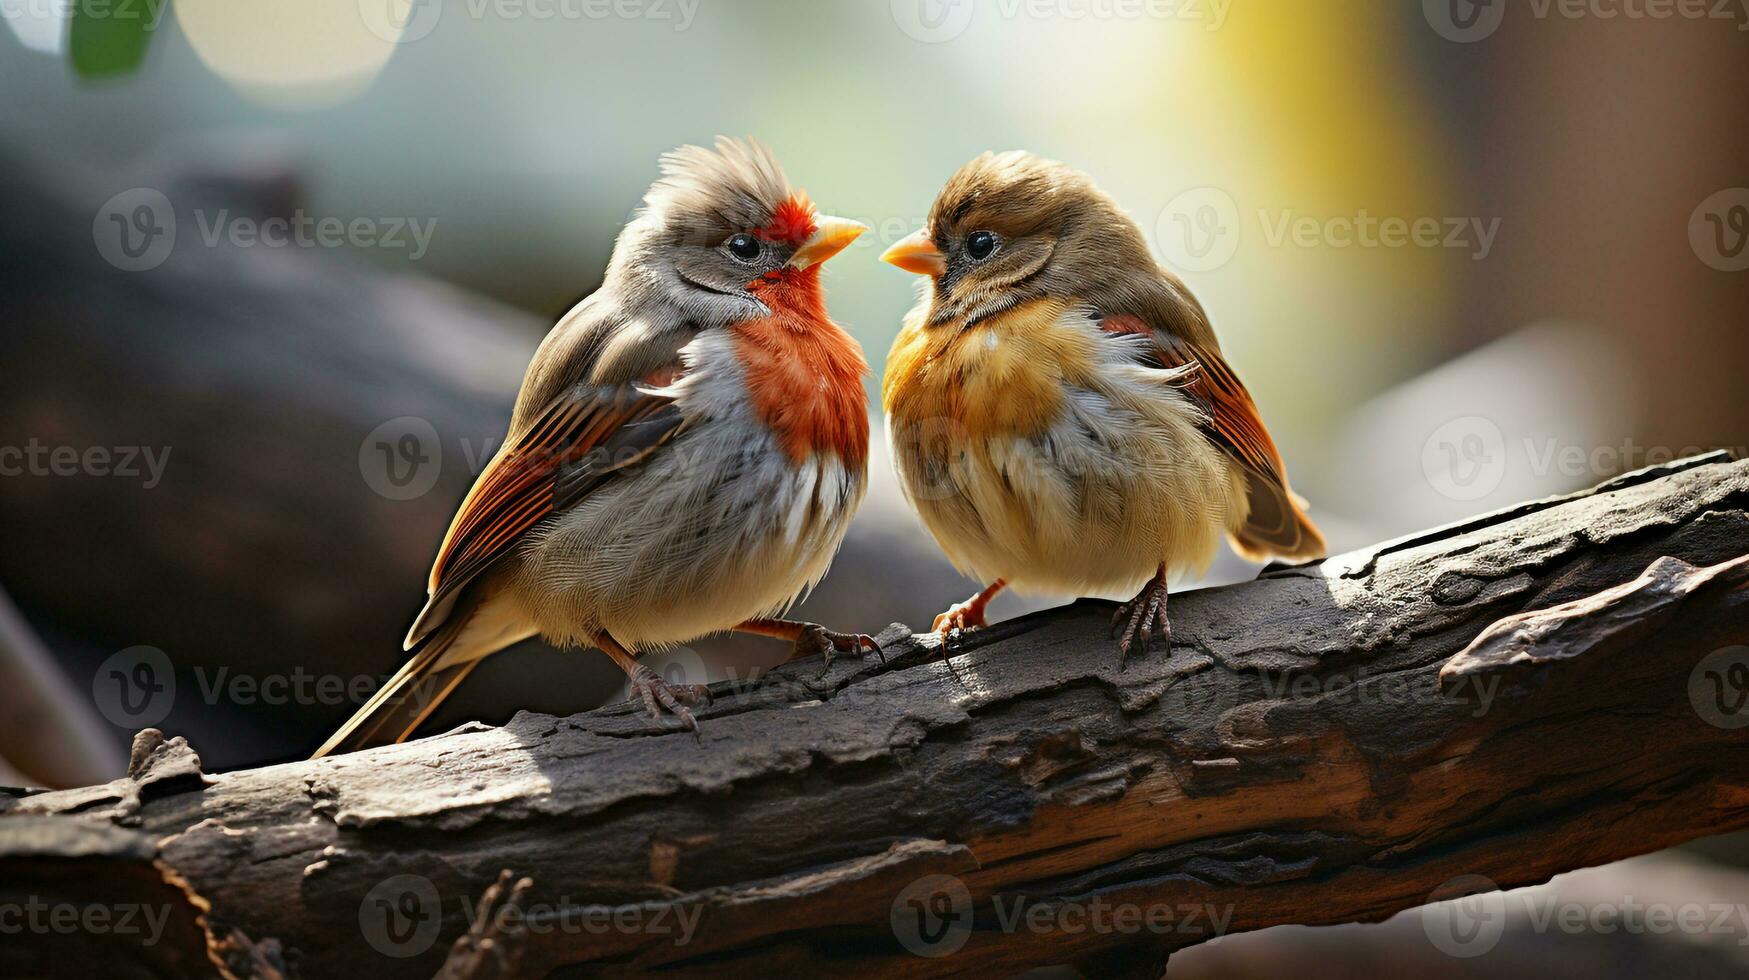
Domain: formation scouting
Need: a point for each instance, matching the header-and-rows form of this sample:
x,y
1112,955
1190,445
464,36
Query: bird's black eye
x,y
744,247
979,244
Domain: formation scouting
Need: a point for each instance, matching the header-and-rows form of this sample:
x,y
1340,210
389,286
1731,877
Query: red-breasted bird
x,y
684,457
1059,410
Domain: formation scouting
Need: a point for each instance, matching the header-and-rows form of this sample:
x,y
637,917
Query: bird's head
x,y
1011,227
722,234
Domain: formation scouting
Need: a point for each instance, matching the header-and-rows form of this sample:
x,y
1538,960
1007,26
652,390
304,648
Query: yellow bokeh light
x,y
293,53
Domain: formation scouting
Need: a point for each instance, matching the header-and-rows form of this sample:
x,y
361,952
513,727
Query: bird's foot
x,y
963,617
1142,619
662,698
815,638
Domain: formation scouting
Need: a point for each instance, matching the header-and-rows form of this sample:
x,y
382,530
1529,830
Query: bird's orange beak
x,y
916,253
830,237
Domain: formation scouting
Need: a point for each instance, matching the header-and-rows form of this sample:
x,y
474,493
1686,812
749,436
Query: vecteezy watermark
x,y
1468,458
137,687
933,916
143,463
402,916
1465,21
1718,230
402,458
1718,687
1465,916
1465,458
400,21
136,230
682,666
134,688
150,11
1468,916
1364,229
301,230
936,21
1383,688
405,21
1200,230
48,917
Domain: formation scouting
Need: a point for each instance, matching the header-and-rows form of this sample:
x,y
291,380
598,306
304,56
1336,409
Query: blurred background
x,y
272,270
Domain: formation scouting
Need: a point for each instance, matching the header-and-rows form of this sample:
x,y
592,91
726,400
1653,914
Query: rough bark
x,y
1533,691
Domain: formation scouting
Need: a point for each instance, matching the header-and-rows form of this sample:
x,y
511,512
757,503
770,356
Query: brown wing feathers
x,y
580,440
1277,525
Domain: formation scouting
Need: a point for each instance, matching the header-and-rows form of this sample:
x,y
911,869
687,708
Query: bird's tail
x,y
1277,525
401,705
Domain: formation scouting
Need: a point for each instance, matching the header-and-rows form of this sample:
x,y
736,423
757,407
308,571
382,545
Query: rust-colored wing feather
x,y
1277,525
578,442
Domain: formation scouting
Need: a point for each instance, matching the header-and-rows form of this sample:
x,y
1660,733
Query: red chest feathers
x,y
804,373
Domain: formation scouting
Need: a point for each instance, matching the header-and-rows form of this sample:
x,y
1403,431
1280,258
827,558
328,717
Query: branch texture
x,y
1530,692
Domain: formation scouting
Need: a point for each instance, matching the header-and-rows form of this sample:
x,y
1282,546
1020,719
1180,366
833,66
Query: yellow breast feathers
x,y
1002,376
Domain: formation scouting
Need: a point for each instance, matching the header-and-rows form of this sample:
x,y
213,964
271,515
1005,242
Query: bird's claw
x,y
961,617
815,638
662,698
1142,619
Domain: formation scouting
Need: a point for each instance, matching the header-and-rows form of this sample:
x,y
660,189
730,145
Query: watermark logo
x,y
402,458
1198,230
400,21
1368,688
1468,458
1467,917
681,667
933,21
1718,687
1718,230
134,688
60,11
936,21
35,458
137,687
1363,229
1471,913
401,916
932,916
930,456
44,917
1465,459
405,21
1464,21
303,230
135,230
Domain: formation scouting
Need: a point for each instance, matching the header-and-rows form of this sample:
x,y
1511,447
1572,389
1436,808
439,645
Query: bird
x,y
684,457
1059,411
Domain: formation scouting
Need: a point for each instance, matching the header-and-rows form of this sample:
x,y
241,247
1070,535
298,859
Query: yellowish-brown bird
x,y
1059,411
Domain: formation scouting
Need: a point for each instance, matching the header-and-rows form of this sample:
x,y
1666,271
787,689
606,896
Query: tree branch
x,y
1543,689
